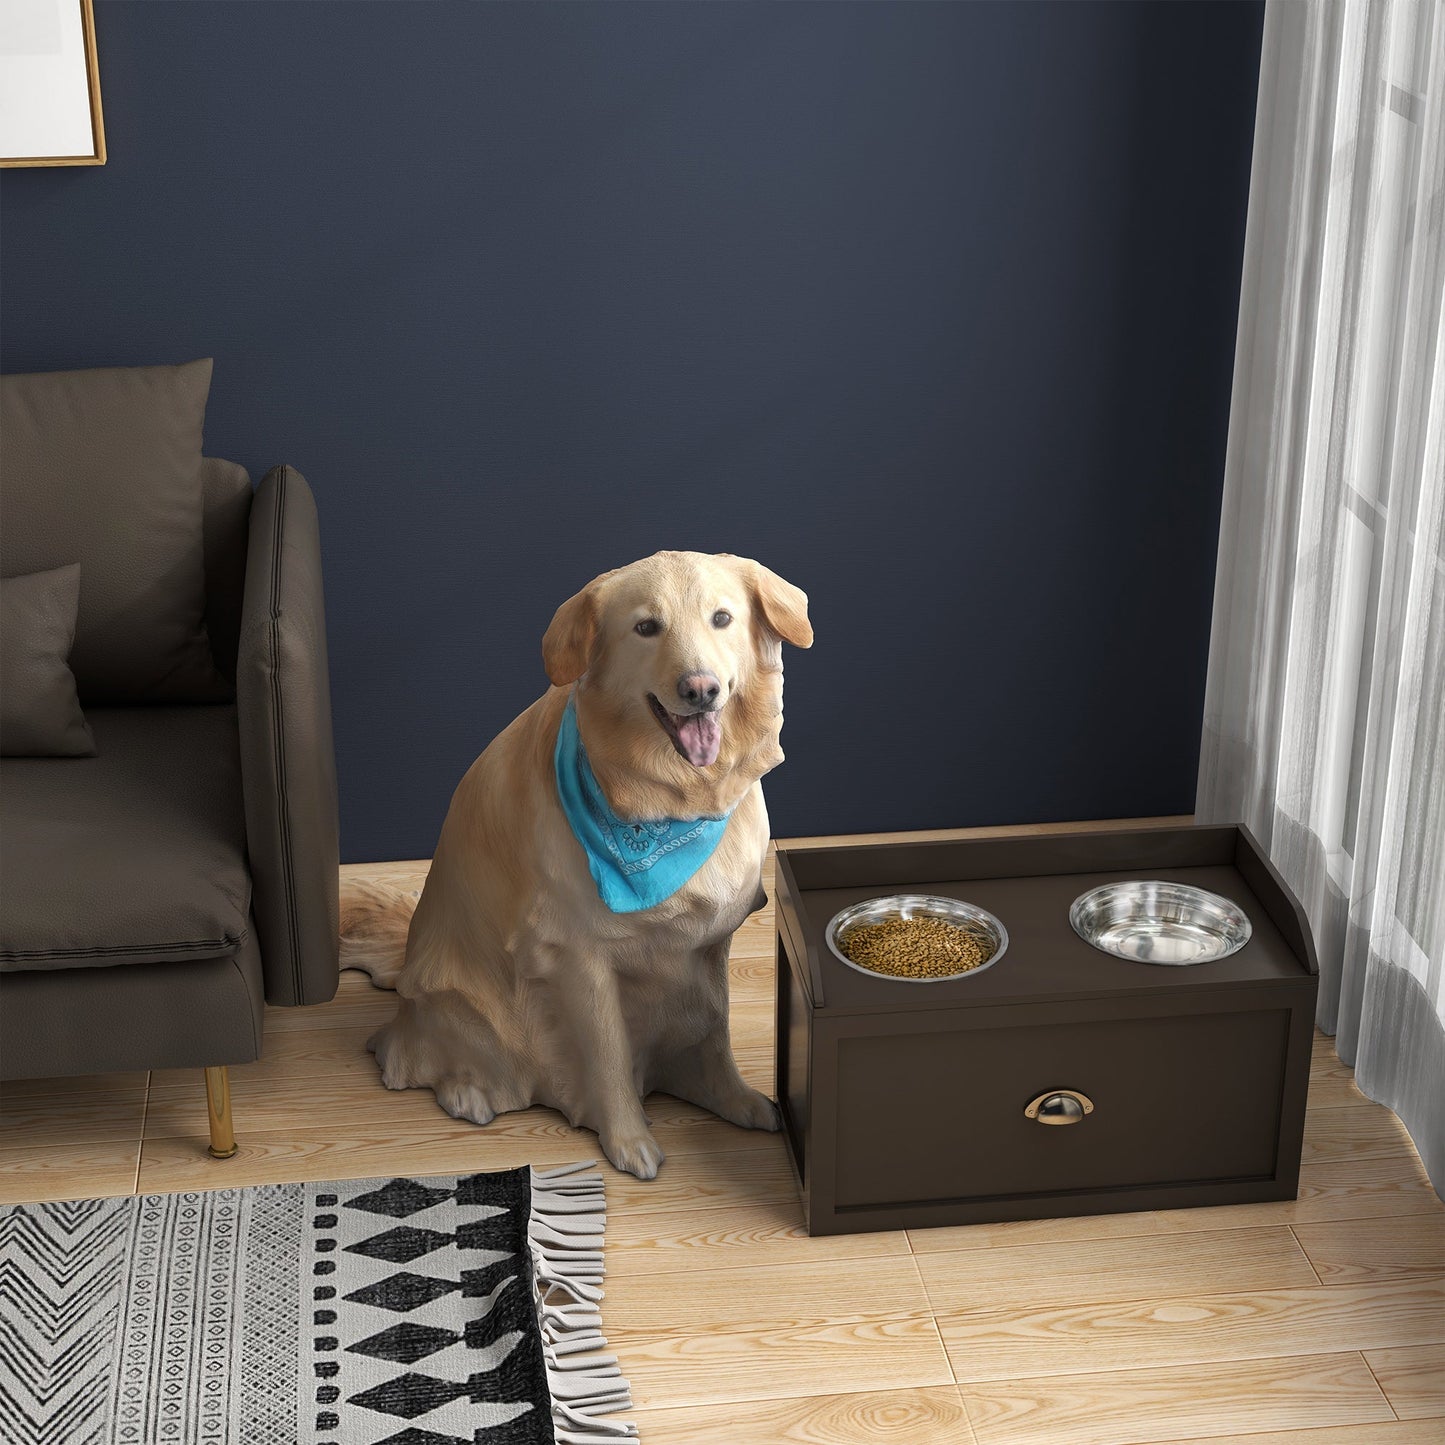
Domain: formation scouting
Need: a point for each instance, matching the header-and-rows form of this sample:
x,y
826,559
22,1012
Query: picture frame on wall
x,y
49,85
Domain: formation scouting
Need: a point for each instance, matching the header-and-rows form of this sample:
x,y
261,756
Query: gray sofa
x,y
155,895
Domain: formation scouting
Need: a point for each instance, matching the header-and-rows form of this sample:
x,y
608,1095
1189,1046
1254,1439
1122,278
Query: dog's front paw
x,y
395,1074
752,1111
465,1101
638,1154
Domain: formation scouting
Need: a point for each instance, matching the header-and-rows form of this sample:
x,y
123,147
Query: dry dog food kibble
x,y
914,948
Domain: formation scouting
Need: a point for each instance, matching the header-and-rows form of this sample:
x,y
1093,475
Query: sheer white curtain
x,y
1324,727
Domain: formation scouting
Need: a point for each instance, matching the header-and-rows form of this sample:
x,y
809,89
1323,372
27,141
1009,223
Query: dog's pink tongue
x,y
699,737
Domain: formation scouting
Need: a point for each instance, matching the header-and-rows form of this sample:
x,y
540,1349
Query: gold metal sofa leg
x,y
218,1109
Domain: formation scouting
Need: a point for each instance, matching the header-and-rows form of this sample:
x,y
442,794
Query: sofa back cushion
x,y
103,468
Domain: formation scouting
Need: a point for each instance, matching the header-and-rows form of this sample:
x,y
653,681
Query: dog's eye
x,y
721,618
648,627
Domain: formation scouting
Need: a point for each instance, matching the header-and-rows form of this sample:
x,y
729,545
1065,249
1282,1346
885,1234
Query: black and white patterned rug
x,y
461,1310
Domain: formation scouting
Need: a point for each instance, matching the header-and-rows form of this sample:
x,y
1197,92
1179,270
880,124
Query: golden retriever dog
x,y
520,984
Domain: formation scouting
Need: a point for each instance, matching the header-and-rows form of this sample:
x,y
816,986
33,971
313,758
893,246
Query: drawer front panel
x,y
930,1117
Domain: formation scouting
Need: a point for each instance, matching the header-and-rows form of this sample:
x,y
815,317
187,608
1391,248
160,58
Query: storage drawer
x,y
927,1118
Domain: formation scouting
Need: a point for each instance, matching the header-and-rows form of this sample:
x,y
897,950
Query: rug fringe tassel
x,y
565,1230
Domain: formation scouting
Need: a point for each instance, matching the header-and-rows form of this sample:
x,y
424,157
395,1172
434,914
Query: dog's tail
x,y
375,917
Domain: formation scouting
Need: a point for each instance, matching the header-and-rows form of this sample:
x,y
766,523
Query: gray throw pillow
x,y
40,714
103,468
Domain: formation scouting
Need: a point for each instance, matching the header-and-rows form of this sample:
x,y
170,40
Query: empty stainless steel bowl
x,y
972,919
1155,922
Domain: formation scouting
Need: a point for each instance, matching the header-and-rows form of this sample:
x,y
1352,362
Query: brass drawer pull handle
x,y
1060,1106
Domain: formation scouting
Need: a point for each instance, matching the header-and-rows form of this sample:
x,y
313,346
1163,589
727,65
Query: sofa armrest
x,y
288,765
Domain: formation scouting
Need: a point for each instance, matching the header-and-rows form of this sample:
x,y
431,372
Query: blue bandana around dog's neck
x,y
635,865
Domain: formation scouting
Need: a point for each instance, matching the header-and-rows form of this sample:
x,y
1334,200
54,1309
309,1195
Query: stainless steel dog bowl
x,y
1154,922
981,924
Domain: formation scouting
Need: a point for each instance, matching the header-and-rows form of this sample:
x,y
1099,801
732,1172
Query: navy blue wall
x,y
929,307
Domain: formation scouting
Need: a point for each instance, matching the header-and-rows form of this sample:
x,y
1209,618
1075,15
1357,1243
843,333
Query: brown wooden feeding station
x,y
907,1105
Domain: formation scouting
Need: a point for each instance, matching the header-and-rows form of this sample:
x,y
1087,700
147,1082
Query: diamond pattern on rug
x,y
406,1344
413,1436
503,1432
402,1245
398,1198
403,1291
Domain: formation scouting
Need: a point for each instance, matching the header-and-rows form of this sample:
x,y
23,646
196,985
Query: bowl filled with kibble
x,y
916,938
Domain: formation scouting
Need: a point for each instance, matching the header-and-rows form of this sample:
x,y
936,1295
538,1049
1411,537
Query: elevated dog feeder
x,y
1065,1079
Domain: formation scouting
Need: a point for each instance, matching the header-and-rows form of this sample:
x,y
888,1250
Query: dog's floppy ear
x,y
568,643
784,607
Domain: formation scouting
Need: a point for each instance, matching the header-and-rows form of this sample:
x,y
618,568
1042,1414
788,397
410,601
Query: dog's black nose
x,y
698,689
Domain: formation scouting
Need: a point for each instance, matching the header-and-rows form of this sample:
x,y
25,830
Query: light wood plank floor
x,y
1317,1322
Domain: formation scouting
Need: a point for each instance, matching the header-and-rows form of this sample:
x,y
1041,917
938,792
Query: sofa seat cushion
x,y
137,855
